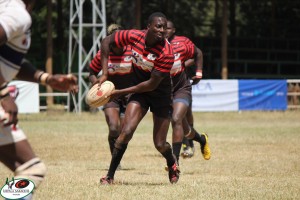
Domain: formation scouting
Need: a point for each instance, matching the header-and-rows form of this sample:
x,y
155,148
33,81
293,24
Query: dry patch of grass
x,y
255,155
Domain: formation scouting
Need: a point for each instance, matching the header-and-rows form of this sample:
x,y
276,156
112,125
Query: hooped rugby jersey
x,y
16,22
184,49
119,67
158,59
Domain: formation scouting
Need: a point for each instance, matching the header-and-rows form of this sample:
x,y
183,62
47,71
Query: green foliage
x,y
194,19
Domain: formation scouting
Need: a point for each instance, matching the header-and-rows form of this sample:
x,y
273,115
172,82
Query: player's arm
x,y
94,68
61,82
105,48
145,86
198,59
93,76
189,62
8,104
3,37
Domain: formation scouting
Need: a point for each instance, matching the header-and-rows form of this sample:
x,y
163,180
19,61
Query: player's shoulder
x,y
136,32
181,39
168,49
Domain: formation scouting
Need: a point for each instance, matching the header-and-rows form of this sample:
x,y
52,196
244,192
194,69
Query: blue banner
x,y
262,94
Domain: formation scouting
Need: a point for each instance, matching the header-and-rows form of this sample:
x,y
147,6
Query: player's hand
x,y
93,79
63,82
115,94
102,78
11,111
195,80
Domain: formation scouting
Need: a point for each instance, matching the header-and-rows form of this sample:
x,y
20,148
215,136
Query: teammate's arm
x,y
105,49
198,59
189,62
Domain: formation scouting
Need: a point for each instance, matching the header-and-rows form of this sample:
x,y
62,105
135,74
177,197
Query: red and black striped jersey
x,y
184,49
146,60
119,67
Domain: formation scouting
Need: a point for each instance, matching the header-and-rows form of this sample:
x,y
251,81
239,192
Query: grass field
x,y
255,155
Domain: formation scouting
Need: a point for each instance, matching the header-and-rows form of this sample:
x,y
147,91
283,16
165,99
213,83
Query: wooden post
x,y
224,41
50,99
138,14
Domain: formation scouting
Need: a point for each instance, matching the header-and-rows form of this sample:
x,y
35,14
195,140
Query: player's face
x,y
170,30
157,29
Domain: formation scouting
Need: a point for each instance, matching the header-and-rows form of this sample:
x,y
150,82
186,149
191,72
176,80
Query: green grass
x,y
255,155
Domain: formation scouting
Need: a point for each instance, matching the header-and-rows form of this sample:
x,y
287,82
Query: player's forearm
x,y
2,80
142,87
104,54
189,62
29,73
92,75
198,59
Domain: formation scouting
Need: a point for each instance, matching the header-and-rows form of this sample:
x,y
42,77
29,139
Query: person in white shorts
x,y
15,150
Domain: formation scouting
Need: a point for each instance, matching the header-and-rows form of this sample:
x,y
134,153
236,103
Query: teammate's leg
x,y
179,112
160,131
133,115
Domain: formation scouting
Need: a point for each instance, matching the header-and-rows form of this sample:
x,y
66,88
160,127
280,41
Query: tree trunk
x,y
49,47
138,14
217,25
224,41
232,23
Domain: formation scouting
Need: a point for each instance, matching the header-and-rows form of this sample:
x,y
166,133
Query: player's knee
x,y
176,119
127,133
34,170
114,130
162,147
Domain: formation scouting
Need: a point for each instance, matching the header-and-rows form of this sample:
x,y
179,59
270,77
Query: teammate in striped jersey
x,y
120,73
152,61
184,50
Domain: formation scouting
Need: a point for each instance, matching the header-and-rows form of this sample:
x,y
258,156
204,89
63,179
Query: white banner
x,y
26,95
215,95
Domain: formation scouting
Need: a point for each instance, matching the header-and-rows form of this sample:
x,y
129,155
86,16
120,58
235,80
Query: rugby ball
x,y
98,95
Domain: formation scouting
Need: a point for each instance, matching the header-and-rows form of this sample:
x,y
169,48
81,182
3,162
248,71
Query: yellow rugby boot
x,y
205,150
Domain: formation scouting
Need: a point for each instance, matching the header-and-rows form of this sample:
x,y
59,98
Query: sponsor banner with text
x,y
215,95
234,95
262,95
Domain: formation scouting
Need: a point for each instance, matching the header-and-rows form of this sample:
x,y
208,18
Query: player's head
x,y
170,30
29,5
157,26
113,27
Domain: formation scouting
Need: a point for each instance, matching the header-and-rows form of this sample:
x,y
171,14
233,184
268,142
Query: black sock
x,y
176,149
111,142
199,138
117,155
168,155
185,142
191,143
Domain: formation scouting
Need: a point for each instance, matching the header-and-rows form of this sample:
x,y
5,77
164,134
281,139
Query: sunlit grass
x,y
255,155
